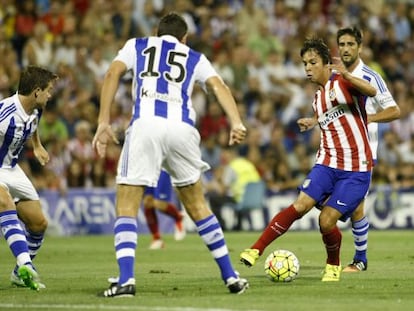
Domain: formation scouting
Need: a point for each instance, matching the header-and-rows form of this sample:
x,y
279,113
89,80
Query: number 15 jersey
x,y
165,71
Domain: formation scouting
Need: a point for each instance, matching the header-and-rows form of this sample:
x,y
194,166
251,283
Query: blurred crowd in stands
x,y
253,44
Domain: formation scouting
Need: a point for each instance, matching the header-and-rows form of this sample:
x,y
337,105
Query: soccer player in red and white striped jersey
x,y
344,159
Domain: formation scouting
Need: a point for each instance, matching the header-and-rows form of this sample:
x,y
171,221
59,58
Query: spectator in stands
x,y
84,77
98,65
56,167
235,173
25,21
75,175
9,69
51,126
249,18
65,50
38,49
210,151
54,18
264,41
214,121
145,16
80,148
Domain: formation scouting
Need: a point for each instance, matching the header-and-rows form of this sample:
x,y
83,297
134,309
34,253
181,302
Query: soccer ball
x,y
281,266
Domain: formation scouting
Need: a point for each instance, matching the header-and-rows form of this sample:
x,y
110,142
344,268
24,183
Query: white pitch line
x,y
102,307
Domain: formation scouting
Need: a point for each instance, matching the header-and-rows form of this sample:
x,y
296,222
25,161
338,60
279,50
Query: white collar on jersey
x,y
359,66
170,38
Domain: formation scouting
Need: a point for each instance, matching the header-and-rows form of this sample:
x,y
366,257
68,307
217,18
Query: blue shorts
x,y
344,189
163,191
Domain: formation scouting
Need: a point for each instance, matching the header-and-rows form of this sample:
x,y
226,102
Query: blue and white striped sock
x,y
360,233
125,241
211,232
15,237
34,242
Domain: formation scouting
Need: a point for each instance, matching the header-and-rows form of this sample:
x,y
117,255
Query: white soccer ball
x,y
281,266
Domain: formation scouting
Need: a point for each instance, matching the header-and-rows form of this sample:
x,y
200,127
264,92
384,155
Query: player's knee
x,y
38,226
6,201
358,214
197,211
302,208
326,223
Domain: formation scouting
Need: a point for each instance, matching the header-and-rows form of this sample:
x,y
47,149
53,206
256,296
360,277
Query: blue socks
x,y
360,233
211,232
15,236
125,240
34,242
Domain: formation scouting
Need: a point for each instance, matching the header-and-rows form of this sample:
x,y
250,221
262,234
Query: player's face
x,y
348,49
316,70
43,96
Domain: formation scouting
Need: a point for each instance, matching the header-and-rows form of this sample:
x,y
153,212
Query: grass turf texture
x,y
183,276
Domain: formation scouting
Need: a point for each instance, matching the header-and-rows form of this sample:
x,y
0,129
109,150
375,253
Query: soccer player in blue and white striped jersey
x,y
162,134
380,108
19,118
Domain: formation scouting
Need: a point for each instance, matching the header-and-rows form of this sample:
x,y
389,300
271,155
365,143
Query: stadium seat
x,y
253,198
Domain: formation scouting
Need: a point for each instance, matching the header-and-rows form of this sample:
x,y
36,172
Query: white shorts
x,y
18,184
156,143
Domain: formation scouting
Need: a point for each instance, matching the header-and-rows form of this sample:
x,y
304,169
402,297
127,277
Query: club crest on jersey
x,y
306,183
332,94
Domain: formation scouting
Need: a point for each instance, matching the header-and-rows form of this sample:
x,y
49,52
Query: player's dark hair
x,y
33,77
172,24
319,46
353,31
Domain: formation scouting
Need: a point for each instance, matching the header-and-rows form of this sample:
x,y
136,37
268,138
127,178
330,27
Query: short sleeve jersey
x,y
164,72
382,100
340,110
16,127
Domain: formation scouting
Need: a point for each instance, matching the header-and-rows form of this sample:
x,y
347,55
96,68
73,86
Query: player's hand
x,y
339,67
104,135
237,134
41,155
306,124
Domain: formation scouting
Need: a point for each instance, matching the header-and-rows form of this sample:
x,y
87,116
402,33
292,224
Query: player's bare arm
x,y
387,115
104,133
39,151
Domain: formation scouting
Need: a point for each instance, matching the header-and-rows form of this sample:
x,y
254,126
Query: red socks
x,y
173,212
332,241
280,223
152,222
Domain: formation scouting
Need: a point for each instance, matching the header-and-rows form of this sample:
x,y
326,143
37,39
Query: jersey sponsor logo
x,y
158,96
331,115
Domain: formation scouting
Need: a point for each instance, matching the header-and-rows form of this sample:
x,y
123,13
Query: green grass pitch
x,y
183,276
